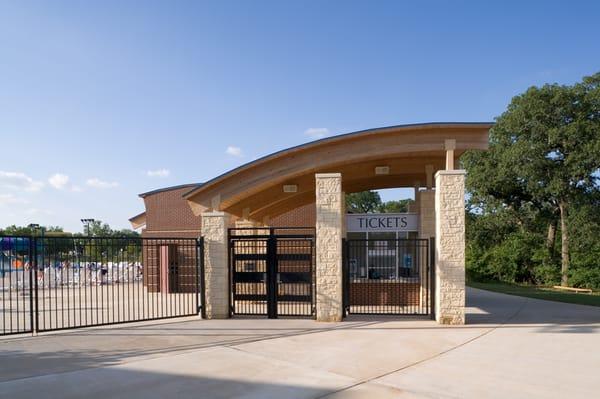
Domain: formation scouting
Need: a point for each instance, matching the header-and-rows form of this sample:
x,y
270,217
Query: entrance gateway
x,y
386,268
390,269
272,271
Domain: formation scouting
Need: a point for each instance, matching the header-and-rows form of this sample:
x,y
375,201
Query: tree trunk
x,y
551,238
564,233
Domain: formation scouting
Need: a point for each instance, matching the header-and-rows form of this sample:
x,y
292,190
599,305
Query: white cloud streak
x,y
58,181
234,151
38,211
158,173
97,183
19,181
316,132
9,199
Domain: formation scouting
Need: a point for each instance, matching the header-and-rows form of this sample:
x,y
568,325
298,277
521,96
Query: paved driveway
x,y
512,347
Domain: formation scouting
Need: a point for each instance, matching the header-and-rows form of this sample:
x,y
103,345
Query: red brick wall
x,y
169,215
383,293
305,216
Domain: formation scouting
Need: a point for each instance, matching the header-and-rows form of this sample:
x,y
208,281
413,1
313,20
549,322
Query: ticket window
x,y
382,255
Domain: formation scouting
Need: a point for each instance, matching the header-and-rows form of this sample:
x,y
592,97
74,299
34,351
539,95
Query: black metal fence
x,y
16,277
272,271
54,283
390,276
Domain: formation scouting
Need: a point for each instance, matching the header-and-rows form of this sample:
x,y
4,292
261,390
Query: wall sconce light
x,y
290,188
382,170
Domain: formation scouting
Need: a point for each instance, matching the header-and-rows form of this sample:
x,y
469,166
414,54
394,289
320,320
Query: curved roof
x,y
256,188
160,190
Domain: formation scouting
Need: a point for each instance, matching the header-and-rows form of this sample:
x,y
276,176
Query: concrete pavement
x,y
511,347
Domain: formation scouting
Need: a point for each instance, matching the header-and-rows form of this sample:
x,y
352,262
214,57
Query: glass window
x,y
382,255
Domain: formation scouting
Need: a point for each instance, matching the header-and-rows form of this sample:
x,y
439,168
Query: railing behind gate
x,y
55,283
390,276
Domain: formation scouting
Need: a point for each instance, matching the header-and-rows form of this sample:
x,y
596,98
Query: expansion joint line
x,y
370,379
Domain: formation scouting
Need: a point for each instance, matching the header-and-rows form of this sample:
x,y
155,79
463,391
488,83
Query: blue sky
x,y
101,101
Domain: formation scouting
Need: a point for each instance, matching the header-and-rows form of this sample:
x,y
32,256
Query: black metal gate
x,y
389,277
272,271
63,282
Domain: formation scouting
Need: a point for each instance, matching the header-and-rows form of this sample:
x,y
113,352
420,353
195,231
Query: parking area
x,y
535,348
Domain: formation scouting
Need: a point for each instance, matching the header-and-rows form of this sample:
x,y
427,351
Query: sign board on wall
x,y
357,222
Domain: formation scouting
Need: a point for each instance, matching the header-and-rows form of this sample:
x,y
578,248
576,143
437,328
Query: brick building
x,y
401,262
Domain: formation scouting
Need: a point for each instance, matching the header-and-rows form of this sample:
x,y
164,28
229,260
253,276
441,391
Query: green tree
x,y
363,202
399,206
27,231
98,228
544,156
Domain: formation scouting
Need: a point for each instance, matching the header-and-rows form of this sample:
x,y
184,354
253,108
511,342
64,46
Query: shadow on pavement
x,y
125,382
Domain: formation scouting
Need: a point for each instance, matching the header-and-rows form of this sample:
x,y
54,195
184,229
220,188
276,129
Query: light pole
x,y
86,223
34,261
35,226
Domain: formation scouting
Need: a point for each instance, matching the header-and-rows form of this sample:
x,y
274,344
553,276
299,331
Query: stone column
x,y
426,214
426,231
344,213
450,247
329,227
216,268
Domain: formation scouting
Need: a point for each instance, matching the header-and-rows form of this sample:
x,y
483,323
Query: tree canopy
x,y
96,229
370,202
539,175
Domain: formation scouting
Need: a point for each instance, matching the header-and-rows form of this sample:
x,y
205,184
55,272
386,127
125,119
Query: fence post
x,y
35,267
272,285
345,277
31,284
200,269
432,276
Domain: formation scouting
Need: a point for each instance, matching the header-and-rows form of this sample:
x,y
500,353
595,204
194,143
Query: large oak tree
x,y
544,154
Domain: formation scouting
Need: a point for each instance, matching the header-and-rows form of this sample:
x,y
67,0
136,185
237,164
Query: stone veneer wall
x,y
450,247
216,270
329,227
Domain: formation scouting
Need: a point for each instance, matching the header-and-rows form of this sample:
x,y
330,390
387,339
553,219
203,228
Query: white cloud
x,y
158,173
38,211
58,181
19,181
97,183
76,189
234,151
6,199
316,132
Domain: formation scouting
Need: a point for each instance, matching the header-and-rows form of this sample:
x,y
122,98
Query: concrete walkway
x,y
512,347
